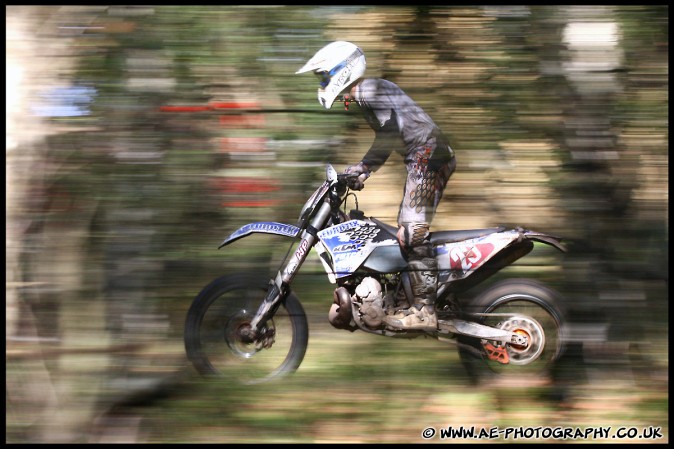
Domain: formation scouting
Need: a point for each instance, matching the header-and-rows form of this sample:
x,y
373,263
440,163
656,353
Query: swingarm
x,y
473,329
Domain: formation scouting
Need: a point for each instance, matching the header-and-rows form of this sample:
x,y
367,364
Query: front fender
x,y
263,227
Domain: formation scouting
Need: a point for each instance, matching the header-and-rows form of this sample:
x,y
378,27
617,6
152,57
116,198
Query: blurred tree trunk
x,y
583,48
28,385
586,135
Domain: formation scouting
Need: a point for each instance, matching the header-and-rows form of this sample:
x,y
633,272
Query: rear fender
x,y
261,227
543,238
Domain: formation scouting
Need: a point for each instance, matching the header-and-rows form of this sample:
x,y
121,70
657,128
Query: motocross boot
x,y
400,301
421,315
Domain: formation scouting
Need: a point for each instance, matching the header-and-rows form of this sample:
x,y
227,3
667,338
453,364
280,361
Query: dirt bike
x,y
258,331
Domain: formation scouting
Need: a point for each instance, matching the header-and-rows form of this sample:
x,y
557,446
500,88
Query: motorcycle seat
x,y
440,237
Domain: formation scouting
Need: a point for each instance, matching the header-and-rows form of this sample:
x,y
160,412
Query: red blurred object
x,y
239,191
246,191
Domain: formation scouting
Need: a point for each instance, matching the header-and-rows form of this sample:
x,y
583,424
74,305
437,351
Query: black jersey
x,y
399,124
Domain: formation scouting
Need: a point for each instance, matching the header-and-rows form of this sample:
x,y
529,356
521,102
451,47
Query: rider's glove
x,y
362,172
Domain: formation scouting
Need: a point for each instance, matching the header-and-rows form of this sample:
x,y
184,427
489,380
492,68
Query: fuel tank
x,y
362,243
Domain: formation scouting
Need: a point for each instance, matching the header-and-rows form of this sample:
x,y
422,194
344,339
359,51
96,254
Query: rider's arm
x,y
386,139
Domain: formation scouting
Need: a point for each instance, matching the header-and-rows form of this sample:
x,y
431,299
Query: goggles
x,y
325,77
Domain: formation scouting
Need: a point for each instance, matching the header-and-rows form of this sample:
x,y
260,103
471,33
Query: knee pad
x,y
413,235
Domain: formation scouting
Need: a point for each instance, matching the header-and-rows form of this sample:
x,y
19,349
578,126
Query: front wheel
x,y
215,339
522,306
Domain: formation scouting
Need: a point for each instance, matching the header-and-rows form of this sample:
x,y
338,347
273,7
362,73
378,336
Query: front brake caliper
x,y
266,338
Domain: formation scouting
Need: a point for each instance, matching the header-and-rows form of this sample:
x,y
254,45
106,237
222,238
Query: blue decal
x,y
338,229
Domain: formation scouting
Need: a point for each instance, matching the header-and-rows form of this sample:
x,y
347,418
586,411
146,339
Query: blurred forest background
x,y
139,137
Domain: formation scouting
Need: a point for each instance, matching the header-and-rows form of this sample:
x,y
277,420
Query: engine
x,y
369,302
368,293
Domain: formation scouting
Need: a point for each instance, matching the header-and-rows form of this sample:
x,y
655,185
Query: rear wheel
x,y
524,307
216,329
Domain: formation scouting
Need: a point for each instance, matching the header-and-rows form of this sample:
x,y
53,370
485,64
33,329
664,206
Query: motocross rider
x,y
402,125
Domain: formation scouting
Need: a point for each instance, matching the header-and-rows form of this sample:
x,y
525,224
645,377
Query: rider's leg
x,y
423,191
423,273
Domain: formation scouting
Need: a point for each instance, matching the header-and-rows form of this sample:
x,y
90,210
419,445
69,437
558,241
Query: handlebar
x,y
352,180
344,177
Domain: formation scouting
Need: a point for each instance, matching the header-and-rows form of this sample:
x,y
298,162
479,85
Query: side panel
x,y
458,260
386,259
264,227
463,258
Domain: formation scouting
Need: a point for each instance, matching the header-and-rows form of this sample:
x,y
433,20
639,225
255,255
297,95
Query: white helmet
x,y
338,65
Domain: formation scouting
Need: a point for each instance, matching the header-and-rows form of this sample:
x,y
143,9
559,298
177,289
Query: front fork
x,y
280,286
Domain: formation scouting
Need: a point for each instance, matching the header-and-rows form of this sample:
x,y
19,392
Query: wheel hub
x,y
532,331
241,339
